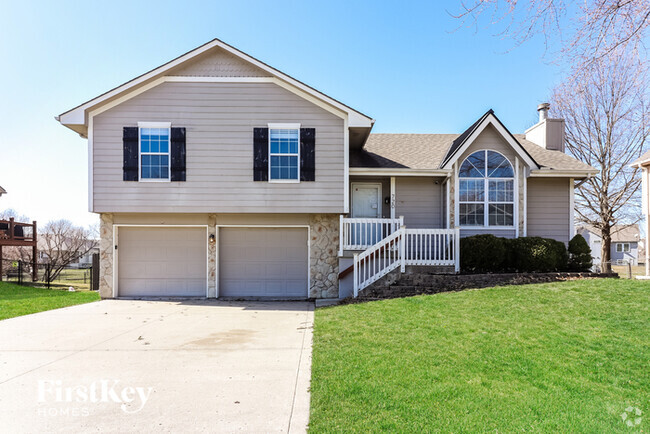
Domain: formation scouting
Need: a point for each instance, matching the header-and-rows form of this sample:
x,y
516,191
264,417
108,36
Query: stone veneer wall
x,y
415,282
452,201
520,200
324,262
106,255
212,256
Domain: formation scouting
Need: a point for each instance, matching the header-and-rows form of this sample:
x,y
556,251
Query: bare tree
x,y
593,28
64,243
607,126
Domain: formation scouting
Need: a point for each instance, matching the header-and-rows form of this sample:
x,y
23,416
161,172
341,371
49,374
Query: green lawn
x,y
558,357
22,300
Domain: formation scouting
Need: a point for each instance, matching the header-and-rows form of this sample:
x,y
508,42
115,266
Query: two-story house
x,y
217,175
624,247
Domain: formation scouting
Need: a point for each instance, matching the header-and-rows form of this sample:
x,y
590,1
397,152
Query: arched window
x,y
486,171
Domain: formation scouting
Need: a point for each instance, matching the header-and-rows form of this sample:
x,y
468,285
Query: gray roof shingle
x,y
427,151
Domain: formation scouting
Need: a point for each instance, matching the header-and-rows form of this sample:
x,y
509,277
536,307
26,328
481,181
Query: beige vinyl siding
x,y
419,200
218,63
210,219
490,139
548,208
219,118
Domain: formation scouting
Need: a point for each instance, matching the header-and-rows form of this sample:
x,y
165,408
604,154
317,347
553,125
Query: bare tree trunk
x,y
605,252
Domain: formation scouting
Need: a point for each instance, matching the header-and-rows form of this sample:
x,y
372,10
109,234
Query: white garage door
x,y
158,261
263,262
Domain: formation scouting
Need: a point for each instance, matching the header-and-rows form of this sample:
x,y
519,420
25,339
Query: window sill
x,y
284,181
154,180
499,228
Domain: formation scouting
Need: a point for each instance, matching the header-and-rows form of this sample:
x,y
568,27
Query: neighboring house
x,y
82,261
624,246
217,175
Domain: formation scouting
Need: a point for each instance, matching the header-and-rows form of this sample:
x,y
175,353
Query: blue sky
x,y
406,64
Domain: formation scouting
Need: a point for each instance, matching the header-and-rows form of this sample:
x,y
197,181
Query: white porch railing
x,y
361,233
437,247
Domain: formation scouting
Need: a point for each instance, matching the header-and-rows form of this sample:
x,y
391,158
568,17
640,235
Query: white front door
x,y
366,200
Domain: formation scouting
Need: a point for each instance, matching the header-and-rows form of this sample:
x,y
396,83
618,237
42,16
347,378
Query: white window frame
x,y
286,126
168,126
486,190
623,248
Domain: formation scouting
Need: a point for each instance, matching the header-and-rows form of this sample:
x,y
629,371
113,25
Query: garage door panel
x,y
162,261
263,262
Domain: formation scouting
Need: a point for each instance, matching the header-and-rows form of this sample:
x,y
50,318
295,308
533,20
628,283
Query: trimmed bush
x,y
579,254
530,254
483,253
562,256
487,253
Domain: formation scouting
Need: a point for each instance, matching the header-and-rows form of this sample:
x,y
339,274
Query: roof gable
x,y
618,233
217,62
463,141
77,117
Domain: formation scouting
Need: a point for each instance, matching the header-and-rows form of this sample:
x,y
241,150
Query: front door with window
x,y
366,203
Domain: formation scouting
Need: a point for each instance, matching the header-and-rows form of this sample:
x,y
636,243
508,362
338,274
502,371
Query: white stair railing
x,y
361,233
378,260
428,247
431,247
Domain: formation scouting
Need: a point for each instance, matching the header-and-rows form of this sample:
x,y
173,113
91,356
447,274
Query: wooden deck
x,y
16,234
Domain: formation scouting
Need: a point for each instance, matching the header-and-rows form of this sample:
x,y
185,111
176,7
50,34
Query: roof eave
x,y
398,171
558,173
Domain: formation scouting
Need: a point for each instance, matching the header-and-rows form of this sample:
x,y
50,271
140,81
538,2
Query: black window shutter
x,y
260,154
130,150
307,154
178,154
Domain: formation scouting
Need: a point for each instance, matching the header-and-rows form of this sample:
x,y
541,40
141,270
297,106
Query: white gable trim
x,y
492,120
77,115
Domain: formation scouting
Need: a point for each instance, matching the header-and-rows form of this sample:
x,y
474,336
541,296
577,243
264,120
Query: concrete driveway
x,y
126,365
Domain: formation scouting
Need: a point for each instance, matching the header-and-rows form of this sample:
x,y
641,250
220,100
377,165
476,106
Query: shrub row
x,y
489,254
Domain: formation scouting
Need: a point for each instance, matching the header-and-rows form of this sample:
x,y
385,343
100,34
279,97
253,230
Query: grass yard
x,y
557,357
18,300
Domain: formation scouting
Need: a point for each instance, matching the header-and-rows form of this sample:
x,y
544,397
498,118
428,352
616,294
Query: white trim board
x,y
116,251
77,115
218,226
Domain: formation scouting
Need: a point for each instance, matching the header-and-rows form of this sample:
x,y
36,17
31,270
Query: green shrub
x,y
529,254
562,256
487,253
483,253
579,254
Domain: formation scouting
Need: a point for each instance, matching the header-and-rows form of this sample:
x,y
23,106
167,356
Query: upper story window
x,y
284,153
486,190
154,151
623,247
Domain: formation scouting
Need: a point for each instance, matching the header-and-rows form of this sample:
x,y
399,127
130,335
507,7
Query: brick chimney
x,y
547,133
